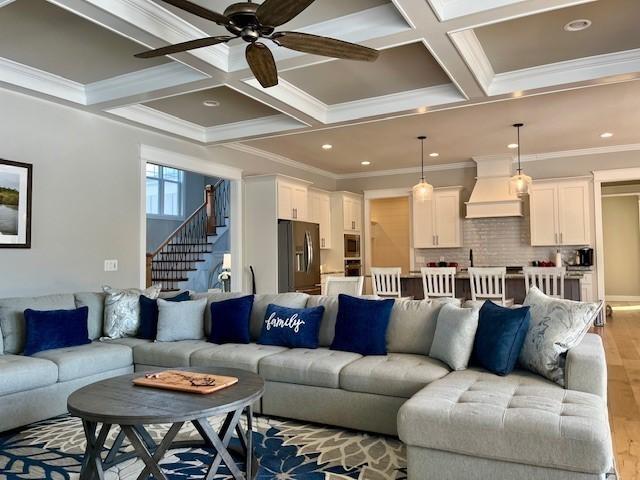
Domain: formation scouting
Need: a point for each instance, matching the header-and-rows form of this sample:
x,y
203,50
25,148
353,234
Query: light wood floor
x,y
621,339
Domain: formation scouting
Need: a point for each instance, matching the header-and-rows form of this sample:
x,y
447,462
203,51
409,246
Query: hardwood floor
x,y
621,339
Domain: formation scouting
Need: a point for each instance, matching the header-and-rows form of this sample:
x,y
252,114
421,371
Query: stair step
x,y
155,279
189,244
179,261
175,270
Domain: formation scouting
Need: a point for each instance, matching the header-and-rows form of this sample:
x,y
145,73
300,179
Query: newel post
x,y
149,269
210,200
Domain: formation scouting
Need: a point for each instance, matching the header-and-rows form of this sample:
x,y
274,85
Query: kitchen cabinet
x,y
352,213
560,213
586,288
437,222
292,200
320,213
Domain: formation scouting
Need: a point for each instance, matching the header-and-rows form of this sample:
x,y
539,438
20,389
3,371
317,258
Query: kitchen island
x,y
412,286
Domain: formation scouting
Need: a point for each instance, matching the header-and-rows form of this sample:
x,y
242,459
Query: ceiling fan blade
x,y
195,9
184,46
274,13
262,64
325,46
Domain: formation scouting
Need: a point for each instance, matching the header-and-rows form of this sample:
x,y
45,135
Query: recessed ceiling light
x,y
434,154
606,135
327,146
512,146
211,103
577,25
365,163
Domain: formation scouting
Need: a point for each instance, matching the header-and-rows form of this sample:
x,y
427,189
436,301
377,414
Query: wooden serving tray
x,y
190,382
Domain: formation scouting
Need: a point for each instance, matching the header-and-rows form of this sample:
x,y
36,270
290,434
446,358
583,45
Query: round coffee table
x,y
117,401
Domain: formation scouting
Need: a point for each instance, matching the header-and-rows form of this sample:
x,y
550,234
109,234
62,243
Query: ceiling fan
x,y
253,22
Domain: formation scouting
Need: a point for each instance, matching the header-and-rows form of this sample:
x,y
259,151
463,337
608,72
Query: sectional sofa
x,y
465,424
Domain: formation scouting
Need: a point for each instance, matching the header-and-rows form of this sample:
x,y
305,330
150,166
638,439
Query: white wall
x,y
86,194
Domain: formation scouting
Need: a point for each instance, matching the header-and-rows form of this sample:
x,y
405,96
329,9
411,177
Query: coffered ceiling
x,y
468,65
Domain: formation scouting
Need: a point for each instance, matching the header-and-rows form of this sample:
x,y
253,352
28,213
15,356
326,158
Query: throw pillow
x,y
557,325
499,337
149,314
180,320
230,320
361,325
46,330
455,333
291,327
122,310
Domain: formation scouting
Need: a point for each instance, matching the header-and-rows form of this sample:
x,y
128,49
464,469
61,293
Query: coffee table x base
x,y
151,454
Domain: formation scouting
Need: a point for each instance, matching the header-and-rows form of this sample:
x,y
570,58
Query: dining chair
x,y
438,282
548,279
348,285
386,281
489,283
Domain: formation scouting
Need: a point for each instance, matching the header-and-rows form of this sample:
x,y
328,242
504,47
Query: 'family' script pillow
x,y
291,327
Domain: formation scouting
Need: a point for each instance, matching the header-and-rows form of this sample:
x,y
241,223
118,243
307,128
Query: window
x,y
164,191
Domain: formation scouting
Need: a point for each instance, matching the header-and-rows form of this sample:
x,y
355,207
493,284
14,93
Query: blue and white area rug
x,y
286,450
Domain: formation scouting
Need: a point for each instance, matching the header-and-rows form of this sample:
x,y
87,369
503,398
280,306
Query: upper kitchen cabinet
x,y
320,213
292,198
437,222
560,212
352,212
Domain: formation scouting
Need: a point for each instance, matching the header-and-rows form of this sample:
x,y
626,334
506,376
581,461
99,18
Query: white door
x,y
324,202
285,201
573,213
543,201
423,232
347,211
314,207
447,219
300,203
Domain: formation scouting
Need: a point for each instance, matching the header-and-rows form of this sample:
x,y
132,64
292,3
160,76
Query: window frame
x,y
161,188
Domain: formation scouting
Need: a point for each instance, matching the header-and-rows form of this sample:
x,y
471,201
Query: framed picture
x,y
15,204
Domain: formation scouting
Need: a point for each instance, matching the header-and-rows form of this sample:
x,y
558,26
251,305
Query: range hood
x,y
491,196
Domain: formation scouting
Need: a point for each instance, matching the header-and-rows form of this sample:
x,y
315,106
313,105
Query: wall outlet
x,y
111,265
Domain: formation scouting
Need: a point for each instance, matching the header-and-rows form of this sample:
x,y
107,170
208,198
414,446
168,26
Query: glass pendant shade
x,y
519,184
423,191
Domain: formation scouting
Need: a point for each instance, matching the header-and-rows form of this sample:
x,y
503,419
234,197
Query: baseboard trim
x,y
622,298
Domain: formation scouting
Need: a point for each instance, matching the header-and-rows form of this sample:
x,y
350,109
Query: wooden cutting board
x,y
191,382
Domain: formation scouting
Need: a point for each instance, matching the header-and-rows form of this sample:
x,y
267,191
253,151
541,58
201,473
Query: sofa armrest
x,y
586,367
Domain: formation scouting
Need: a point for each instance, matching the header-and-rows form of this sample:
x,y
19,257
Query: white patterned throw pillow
x,y
122,310
556,326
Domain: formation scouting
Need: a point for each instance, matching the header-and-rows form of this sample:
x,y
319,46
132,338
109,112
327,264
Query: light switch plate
x,y
111,265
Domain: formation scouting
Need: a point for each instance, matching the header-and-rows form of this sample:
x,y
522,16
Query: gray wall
x,y
86,194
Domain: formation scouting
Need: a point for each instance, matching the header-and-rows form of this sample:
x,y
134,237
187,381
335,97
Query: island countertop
x,y
513,275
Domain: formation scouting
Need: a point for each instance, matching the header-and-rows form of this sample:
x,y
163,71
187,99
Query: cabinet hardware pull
x,y
561,239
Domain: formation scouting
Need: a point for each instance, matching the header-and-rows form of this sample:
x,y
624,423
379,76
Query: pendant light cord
x,y
519,165
422,139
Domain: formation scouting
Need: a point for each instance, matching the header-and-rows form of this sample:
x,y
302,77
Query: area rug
x,y
286,450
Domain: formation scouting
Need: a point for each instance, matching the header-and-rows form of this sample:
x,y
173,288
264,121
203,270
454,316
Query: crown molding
x,y
162,121
40,81
405,171
295,97
471,51
249,128
632,147
449,9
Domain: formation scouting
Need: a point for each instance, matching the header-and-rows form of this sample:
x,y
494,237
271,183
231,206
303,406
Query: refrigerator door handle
x,y
309,246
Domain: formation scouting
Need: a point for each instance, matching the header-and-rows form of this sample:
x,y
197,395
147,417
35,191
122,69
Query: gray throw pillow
x,y
1,343
556,326
455,333
180,320
122,310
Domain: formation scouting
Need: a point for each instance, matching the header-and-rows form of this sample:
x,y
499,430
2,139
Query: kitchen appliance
x,y
298,257
586,256
352,268
351,246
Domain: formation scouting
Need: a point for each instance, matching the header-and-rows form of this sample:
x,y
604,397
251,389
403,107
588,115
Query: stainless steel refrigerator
x,y
298,257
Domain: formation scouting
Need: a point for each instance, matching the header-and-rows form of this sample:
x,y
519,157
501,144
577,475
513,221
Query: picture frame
x,y
15,204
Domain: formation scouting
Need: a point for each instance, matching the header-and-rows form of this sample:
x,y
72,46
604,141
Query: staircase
x,y
191,245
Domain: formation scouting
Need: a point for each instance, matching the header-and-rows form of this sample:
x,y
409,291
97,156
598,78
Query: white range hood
x,y
491,196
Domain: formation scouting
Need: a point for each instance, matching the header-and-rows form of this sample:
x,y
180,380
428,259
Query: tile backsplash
x,y
495,242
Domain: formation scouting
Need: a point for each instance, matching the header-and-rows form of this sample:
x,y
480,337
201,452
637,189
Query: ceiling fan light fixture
x,y
519,184
423,190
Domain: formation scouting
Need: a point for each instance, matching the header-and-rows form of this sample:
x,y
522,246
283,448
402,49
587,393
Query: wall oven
x,y
352,268
351,246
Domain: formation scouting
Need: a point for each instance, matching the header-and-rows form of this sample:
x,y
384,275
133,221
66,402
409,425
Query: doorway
x,y
390,233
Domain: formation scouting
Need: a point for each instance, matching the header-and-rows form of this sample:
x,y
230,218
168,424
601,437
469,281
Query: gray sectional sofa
x,y
466,424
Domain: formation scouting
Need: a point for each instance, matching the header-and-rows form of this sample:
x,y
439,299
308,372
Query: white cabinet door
x,y
356,214
423,231
543,201
446,214
586,288
325,221
300,203
573,213
285,201
347,213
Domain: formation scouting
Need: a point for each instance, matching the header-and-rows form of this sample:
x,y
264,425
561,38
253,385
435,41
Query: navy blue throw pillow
x,y
500,337
291,327
46,330
149,314
361,325
230,320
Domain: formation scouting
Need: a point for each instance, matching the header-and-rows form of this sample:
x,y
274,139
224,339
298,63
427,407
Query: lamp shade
x,y
423,191
519,184
226,262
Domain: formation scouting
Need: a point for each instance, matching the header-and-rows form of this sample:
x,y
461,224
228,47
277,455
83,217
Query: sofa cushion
x,y
396,375
234,355
170,354
95,302
318,367
20,373
520,418
262,302
12,316
128,341
52,329
87,360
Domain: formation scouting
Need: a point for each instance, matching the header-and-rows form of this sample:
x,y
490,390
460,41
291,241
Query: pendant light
x,y
423,190
519,183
